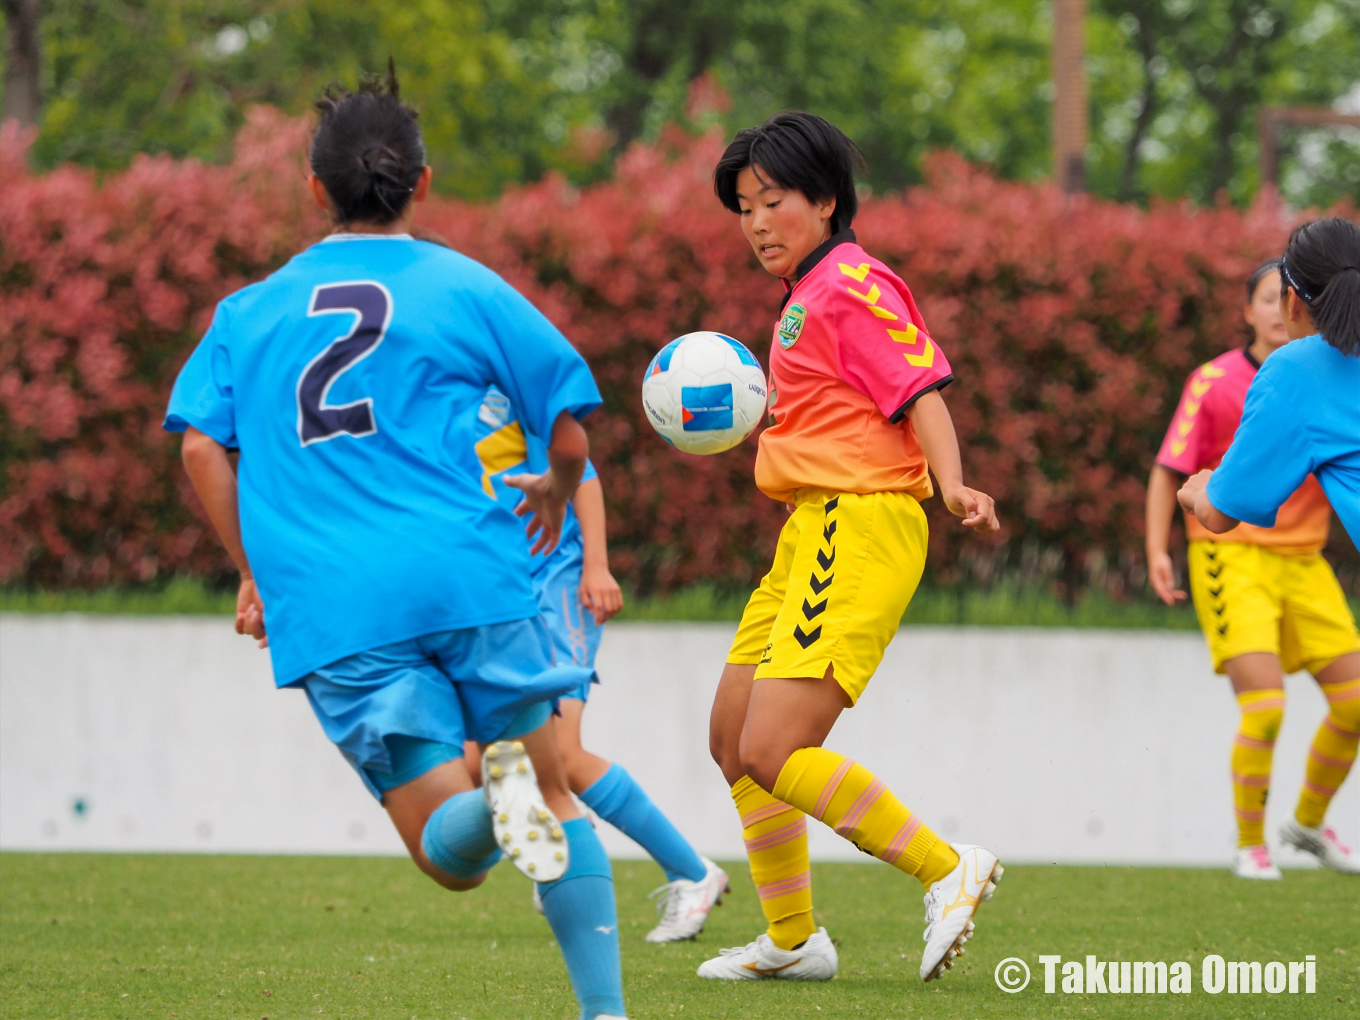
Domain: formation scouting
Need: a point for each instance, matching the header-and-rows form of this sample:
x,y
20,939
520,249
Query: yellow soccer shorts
x,y
1250,598
846,566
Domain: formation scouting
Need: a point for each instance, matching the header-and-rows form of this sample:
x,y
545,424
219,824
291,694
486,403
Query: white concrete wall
x,y
1047,745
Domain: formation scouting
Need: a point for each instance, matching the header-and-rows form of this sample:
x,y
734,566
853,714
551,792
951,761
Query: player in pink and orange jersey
x,y
857,423
1267,601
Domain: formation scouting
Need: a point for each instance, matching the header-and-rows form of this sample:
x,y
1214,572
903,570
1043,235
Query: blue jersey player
x,y
394,592
576,595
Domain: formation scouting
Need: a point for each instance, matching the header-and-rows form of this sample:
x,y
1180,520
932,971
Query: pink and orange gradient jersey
x,y
1201,432
849,357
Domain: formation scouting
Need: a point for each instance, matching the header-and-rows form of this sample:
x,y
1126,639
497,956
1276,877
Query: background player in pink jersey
x,y
1267,601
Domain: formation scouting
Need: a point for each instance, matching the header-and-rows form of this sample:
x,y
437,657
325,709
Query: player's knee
x,y
762,759
1262,721
454,883
579,766
1344,700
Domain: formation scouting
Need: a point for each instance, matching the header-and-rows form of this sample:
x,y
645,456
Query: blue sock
x,y
617,798
458,837
580,908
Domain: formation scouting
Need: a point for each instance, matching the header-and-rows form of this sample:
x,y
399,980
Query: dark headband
x,y
1291,281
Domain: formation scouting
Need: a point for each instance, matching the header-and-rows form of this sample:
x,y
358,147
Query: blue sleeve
x,y
590,471
202,396
537,368
1269,458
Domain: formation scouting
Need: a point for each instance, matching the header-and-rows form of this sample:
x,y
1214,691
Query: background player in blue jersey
x,y
576,595
395,593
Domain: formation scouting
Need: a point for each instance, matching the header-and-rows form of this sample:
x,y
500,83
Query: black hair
x,y
1258,274
799,152
367,150
1321,264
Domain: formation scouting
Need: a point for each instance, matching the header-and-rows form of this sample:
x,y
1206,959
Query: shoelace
x,y
738,950
1329,834
668,910
932,903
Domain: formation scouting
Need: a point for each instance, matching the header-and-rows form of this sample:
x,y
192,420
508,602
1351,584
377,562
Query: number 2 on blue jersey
x,y
371,304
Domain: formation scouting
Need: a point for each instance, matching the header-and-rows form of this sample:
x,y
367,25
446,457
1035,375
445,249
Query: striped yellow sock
x,y
776,845
853,801
1253,747
1332,754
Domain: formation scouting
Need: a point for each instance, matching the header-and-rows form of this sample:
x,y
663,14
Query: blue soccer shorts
x,y
575,634
397,711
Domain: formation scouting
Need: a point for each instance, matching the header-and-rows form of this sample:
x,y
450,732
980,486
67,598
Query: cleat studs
x,y
951,954
493,752
507,838
532,867
521,768
557,834
517,747
497,771
504,818
533,834
559,855
543,816
515,852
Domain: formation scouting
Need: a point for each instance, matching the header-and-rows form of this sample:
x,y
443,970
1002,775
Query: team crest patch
x,y
791,325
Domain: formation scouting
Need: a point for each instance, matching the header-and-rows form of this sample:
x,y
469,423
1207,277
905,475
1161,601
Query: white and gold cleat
x,y
526,831
951,904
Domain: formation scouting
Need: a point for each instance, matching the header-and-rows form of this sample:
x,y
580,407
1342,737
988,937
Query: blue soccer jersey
x,y
352,381
506,447
1302,416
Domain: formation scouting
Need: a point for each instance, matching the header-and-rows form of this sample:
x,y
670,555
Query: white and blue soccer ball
x,y
704,392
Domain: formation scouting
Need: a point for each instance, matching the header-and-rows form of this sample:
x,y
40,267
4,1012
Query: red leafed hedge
x,y
1071,325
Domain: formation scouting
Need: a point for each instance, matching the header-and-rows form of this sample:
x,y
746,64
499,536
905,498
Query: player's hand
x,y
977,509
600,593
545,507
1163,578
250,612
1191,490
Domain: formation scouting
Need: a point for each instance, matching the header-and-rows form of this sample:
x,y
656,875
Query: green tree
x,y
1176,85
511,89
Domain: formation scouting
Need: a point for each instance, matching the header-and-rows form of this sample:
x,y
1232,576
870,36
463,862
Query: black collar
x,y
846,236
1246,353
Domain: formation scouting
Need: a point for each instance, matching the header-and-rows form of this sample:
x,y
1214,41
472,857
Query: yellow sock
x,y
776,845
851,799
1253,747
1332,754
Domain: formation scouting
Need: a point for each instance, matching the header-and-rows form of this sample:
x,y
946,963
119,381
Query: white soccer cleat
x,y
538,900
528,833
1322,844
762,960
951,904
1254,862
686,906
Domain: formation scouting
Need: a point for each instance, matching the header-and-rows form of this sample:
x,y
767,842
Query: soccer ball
x,y
704,393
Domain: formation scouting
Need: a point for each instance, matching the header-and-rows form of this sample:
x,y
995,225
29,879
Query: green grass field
x,y
281,937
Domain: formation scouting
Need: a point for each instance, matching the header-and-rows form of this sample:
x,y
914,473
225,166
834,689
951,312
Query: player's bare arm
x,y
1160,509
546,495
209,466
934,429
600,593
1194,499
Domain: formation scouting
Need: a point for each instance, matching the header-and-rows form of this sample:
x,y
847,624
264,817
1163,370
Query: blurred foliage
x,y
1007,604
511,89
